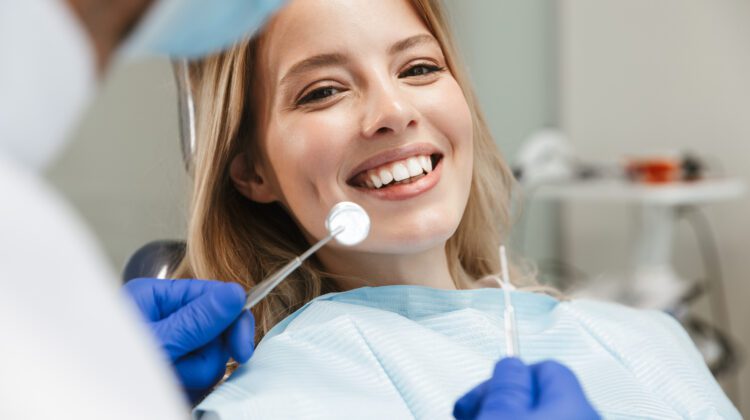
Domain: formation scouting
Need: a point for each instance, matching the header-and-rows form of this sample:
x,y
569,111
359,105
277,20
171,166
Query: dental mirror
x,y
347,222
353,218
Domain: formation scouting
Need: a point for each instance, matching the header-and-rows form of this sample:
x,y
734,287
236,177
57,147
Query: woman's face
x,y
364,109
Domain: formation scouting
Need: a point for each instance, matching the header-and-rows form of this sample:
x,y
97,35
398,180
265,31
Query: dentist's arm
x,y
107,23
546,390
200,324
53,52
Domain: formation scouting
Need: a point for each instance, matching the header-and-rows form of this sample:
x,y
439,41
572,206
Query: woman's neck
x,y
355,269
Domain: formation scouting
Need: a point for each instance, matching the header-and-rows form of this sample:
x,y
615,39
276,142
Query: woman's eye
x,y
420,70
318,94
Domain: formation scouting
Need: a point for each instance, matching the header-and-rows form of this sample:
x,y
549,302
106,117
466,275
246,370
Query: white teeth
x,y
385,176
400,172
426,163
414,167
375,179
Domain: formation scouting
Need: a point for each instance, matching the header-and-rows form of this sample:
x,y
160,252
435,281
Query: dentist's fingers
x,y
511,388
204,368
240,339
468,406
560,394
201,320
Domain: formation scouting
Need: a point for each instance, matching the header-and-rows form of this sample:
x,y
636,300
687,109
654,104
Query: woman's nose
x,y
388,110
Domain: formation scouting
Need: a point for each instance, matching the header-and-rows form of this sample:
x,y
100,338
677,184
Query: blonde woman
x,y
365,101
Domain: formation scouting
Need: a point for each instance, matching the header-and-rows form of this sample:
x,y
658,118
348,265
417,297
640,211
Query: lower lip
x,y
410,190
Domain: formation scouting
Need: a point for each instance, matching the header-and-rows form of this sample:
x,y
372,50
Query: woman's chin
x,y
409,240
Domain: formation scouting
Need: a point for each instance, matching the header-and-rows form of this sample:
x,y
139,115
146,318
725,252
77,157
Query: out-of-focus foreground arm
x,y
47,75
71,346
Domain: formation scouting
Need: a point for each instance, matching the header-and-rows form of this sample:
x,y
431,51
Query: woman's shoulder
x,y
633,328
657,352
625,318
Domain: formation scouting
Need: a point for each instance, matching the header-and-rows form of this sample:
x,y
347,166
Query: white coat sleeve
x,y
47,75
71,345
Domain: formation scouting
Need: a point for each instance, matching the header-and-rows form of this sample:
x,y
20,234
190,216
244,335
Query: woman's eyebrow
x,y
411,41
311,63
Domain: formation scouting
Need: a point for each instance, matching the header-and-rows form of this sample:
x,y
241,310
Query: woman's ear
x,y
251,181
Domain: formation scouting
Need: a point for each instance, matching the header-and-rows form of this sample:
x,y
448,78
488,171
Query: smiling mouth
x,y
398,172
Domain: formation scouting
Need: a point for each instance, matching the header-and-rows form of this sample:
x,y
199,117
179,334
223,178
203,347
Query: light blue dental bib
x,y
410,352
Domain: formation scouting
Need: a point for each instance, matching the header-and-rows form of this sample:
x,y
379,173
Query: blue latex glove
x,y
199,324
546,390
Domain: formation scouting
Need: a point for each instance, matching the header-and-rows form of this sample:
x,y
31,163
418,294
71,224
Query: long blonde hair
x,y
234,239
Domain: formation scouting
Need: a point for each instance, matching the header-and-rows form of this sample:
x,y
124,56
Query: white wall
x,y
510,50
644,75
123,170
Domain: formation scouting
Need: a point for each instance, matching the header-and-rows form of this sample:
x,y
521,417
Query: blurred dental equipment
x,y
663,188
511,327
545,157
657,184
347,222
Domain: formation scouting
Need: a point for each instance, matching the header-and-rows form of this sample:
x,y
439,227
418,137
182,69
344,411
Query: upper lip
x,y
393,155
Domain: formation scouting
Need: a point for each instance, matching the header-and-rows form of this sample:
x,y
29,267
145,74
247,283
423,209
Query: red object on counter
x,y
654,170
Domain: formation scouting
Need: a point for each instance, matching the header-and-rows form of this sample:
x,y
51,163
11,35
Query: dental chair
x,y
157,259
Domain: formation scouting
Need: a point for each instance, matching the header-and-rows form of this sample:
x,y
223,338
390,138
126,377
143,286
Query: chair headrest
x,y
157,259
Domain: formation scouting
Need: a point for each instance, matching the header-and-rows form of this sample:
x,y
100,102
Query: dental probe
x,y
260,291
511,327
347,222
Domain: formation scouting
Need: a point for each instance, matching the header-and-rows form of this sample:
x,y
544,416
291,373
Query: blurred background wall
x,y
510,49
123,171
617,76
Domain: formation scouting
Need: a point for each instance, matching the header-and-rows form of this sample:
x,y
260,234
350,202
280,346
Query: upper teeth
x,y
398,171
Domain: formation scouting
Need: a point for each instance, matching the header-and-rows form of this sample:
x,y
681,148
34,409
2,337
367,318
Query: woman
x,y
354,100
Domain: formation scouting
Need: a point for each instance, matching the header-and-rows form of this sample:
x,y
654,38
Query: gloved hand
x,y
199,324
546,390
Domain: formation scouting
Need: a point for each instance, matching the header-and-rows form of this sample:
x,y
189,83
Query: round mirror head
x,y
353,219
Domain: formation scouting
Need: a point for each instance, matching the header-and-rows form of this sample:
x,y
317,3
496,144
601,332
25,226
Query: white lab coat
x,y
70,344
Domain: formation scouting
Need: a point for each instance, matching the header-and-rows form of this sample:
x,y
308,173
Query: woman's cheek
x,y
310,156
452,118
453,115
